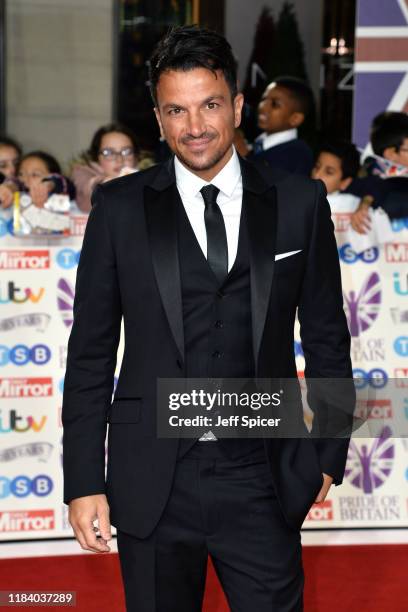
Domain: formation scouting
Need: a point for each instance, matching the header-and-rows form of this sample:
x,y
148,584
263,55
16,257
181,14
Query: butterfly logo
x,y
65,300
362,310
368,467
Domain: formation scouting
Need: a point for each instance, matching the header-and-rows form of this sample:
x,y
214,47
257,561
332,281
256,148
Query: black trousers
x,y
228,510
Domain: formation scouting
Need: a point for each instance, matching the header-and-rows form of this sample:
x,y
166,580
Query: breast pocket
x,y
289,264
125,411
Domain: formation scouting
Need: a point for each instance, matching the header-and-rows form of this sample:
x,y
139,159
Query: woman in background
x,y
113,152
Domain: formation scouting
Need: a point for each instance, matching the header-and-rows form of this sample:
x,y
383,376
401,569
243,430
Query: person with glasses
x,y
113,152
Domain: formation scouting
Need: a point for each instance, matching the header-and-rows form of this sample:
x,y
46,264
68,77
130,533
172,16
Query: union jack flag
x,y
381,62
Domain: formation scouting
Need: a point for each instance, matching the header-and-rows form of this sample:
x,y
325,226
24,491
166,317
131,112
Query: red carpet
x,y
338,578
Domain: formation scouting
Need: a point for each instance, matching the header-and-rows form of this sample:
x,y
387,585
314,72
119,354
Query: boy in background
x,y
284,106
387,171
337,164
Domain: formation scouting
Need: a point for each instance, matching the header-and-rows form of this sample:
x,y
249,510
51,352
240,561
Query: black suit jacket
x,y
129,267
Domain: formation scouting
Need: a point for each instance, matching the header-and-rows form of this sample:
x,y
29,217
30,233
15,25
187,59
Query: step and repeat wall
x,y
37,280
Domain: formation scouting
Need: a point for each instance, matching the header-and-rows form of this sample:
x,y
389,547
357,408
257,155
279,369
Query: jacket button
x,y
219,324
221,295
216,354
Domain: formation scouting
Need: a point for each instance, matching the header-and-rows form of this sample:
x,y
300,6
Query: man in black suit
x,y
207,263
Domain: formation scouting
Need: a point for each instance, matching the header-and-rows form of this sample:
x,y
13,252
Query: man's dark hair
x,y
6,141
300,91
390,131
189,47
347,153
48,159
95,146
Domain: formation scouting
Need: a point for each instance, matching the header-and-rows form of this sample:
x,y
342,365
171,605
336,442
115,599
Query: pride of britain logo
x,y
362,309
370,464
65,300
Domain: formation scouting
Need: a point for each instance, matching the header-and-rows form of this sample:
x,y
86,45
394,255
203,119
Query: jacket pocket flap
x,y
125,411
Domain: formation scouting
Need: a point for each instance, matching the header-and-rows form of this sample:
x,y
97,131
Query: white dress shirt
x,y
271,140
229,182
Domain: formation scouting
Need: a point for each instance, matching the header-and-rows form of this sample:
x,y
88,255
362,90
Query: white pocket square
x,y
288,254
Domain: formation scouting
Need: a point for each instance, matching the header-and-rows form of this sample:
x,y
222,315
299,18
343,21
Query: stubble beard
x,y
208,164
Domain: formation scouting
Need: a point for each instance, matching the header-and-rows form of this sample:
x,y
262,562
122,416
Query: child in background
x,y
10,154
113,152
284,106
387,171
337,164
40,175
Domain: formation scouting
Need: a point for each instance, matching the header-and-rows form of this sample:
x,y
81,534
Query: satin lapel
x,y
161,218
261,219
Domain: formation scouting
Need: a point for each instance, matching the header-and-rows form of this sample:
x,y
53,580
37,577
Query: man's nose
x,y
196,124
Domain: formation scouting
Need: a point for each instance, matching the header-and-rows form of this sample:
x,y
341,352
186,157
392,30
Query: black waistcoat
x,y
216,318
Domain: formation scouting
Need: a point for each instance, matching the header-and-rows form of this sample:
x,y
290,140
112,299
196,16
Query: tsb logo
x,y
321,512
22,486
20,355
375,378
349,256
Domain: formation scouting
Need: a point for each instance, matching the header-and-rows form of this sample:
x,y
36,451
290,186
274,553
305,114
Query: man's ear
x,y
296,119
345,183
238,104
157,114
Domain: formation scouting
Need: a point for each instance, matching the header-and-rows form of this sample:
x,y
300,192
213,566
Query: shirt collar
x,y
271,140
226,180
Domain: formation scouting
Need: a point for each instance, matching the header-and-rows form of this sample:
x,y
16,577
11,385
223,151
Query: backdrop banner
x,y
37,280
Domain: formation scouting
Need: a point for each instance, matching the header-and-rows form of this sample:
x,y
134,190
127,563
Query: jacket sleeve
x,y
326,344
91,359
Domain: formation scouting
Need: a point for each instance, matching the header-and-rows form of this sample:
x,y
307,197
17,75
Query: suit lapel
x,y
160,200
260,209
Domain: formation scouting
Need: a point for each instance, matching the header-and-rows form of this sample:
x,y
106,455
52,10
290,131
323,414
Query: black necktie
x,y
217,246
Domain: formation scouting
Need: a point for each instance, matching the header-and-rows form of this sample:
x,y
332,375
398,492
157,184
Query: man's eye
x,y
212,105
175,111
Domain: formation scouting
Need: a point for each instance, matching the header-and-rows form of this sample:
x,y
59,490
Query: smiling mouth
x,y
198,143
